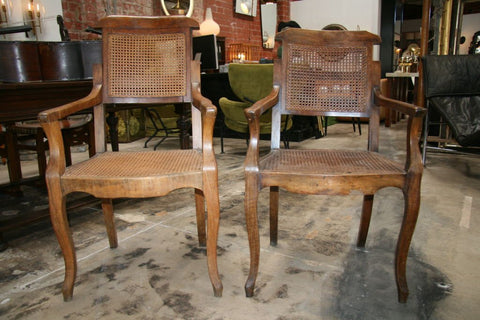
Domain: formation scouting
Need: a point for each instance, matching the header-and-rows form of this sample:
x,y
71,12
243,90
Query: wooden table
x,y
23,101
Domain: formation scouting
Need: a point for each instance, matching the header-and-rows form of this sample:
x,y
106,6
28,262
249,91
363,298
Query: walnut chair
x,y
146,60
330,73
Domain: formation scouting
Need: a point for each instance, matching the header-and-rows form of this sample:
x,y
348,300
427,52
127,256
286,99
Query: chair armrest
x,y
51,121
225,103
403,107
413,163
262,105
203,104
208,113
228,100
233,112
55,114
253,114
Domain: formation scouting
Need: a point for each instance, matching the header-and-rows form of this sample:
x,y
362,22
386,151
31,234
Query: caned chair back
x,y
143,65
329,73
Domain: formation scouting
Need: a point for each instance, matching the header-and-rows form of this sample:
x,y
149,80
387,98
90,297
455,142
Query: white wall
x,y
352,14
49,11
470,25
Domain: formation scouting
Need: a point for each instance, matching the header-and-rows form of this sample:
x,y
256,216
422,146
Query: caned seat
x,y
152,172
329,162
330,73
146,61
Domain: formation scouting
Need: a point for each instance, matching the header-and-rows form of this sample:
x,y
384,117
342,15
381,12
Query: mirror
x,y
466,27
268,13
177,7
246,7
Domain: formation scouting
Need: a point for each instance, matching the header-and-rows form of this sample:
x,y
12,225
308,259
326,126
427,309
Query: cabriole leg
x,y
58,215
109,219
412,205
365,220
213,217
274,215
200,209
251,197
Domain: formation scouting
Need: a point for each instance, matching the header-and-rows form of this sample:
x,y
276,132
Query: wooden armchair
x,y
330,73
145,60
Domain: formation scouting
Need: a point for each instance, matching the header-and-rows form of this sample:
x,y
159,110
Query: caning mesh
x,y
322,79
147,65
135,164
329,162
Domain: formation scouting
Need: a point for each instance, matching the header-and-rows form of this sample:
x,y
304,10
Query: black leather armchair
x,y
452,90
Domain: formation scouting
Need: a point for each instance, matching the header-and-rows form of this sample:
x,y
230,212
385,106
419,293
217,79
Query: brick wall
x,y
283,10
236,28
80,14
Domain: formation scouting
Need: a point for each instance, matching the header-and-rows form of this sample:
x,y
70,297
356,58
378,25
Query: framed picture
x,y
246,7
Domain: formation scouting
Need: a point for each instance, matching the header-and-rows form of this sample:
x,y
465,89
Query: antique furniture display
x,y
330,73
452,93
146,60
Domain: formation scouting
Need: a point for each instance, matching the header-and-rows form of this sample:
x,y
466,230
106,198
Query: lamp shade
x,y
246,6
209,26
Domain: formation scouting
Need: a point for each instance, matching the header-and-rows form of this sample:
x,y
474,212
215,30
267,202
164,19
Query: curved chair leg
x,y
108,217
412,205
365,220
58,215
251,197
213,210
200,208
273,215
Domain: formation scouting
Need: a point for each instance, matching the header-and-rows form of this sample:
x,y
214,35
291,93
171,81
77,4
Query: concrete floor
x,y
315,272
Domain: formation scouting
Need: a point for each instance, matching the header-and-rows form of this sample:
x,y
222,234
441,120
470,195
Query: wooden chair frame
x,y
334,174
162,172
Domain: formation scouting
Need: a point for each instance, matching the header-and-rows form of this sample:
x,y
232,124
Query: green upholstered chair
x,y
250,83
